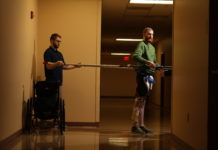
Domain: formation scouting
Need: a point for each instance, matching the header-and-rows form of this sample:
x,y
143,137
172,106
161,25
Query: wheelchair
x,y
46,104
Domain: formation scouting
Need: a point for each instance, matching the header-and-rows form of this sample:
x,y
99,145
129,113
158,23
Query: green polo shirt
x,y
145,52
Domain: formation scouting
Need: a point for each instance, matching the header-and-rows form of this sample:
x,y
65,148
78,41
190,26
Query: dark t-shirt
x,y
56,74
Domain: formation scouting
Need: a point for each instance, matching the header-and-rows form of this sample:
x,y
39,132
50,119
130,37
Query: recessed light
x,y
121,54
131,40
170,2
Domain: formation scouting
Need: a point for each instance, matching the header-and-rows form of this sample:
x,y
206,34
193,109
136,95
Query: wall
x,y
156,91
167,80
164,48
17,40
190,72
79,24
117,82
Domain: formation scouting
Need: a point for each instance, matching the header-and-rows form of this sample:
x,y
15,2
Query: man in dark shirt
x,y
54,61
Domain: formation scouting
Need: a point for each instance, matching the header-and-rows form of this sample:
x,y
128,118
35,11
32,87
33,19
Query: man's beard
x,y
149,40
56,46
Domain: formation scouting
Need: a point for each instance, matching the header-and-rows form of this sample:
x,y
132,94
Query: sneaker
x,y
137,129
146,130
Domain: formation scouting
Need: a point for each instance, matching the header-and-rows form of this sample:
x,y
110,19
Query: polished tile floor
x,y
113,133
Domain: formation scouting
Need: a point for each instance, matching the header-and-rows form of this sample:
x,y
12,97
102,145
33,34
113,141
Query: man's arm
x,y
68,67
51,65
137,55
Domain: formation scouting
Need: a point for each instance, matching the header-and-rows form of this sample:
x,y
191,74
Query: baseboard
x,y
95,124
11,140
180,143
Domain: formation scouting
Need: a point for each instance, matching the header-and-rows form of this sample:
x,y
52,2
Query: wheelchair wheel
x,y
29,115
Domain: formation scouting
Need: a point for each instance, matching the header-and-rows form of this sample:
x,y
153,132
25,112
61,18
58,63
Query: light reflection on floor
x,y
113,133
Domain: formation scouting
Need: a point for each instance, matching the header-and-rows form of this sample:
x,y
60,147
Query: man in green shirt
x,y
145,57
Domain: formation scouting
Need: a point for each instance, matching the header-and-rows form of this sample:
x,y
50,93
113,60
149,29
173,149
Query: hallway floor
x,y
113,133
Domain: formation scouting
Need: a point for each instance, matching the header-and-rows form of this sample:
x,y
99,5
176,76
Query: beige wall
x,y
190,72
17,38
117,82
163,47
156,91
79,23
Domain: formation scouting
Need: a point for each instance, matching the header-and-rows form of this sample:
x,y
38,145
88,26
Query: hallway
x,y
113,133
26,26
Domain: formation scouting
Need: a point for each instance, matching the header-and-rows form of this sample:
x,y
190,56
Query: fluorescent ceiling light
x,y
121,54
151,2
131,40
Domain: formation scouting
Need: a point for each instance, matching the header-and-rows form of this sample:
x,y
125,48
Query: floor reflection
x,y
92,139
113,133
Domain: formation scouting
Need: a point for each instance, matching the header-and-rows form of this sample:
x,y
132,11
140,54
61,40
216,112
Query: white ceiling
x,y
120,19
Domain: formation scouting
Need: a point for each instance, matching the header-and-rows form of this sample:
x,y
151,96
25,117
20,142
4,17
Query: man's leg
x,y
141,117
148,83
136,115
141,112
135,112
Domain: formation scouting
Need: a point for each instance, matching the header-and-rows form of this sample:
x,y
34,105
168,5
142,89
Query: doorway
x,y
127,21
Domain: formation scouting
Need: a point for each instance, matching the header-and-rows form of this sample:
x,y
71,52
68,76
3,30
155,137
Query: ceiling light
x,y
151,2
131,40
121,54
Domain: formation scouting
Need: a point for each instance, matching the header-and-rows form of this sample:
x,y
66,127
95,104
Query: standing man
x,y
145,57
54,61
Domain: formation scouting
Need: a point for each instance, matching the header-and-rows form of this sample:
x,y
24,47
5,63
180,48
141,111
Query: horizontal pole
x,y
129,66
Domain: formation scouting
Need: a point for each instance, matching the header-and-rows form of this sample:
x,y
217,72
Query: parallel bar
x,y
102,66
129,66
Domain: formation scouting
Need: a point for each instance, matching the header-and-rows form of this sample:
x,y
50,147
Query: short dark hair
x,y
146,29
54,36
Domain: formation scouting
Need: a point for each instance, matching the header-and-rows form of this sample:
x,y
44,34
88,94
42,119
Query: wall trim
x,y
95,124
11,140
177,141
